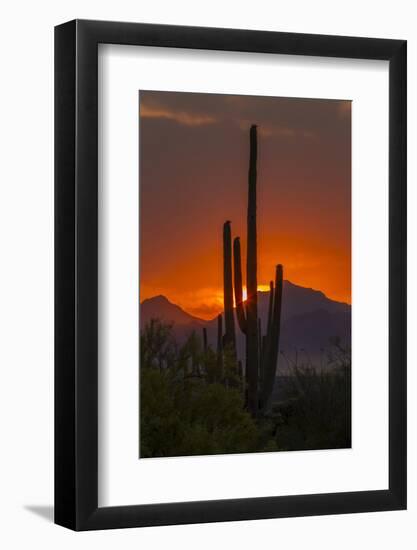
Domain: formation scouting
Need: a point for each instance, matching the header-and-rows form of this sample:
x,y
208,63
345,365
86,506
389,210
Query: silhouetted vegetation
x,y
316,413
192,404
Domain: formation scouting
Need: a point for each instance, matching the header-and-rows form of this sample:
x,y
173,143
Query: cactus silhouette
x,y
261,351
240,310
252,358
271,341
205,346
219,345
229,339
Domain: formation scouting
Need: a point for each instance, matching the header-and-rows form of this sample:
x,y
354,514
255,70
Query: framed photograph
x,y
230,255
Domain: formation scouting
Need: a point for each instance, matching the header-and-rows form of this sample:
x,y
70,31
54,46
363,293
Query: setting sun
x,y
261,288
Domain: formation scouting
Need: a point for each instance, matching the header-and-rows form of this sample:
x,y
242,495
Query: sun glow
x,y
261,288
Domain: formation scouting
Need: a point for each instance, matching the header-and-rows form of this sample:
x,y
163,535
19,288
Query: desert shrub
x,y
187,407
192,403
317,411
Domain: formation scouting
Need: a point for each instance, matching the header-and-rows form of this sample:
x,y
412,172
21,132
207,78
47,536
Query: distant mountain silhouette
x,y
298,300
309,321
159,307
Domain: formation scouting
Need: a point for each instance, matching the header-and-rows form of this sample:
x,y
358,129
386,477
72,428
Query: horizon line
x,y
222,310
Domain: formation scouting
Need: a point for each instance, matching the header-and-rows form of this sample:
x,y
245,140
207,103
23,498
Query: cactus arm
x,y
219,334
262,359
229,320
270,306
270,356
240,310
276,325
205,339
260,345
220,345
266,340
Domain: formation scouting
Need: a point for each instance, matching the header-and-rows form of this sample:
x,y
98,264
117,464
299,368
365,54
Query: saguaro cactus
x,y
261,351
205,346
229,339
248,322
237,264
219,344
219,334
252,352
271,341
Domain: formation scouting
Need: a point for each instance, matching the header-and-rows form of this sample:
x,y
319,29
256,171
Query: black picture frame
x,y
76,272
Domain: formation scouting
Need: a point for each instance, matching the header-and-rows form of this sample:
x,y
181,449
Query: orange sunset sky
x,y
194,155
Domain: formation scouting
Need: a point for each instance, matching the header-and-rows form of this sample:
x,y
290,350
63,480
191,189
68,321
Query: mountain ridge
x,y
181,316
161,307
309,321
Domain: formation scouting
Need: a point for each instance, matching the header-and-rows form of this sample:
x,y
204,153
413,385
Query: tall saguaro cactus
x,y
229,339
261,351
252,352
